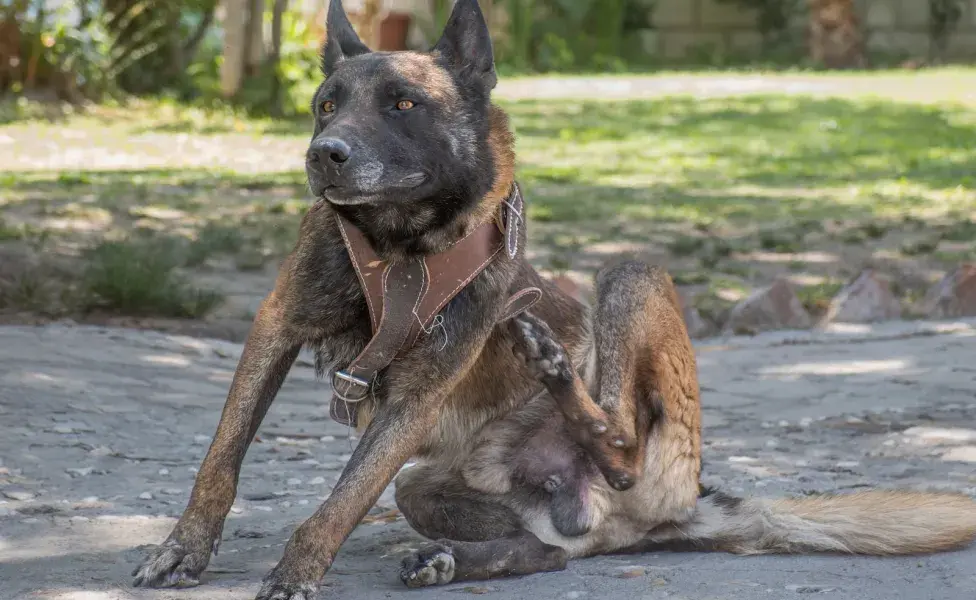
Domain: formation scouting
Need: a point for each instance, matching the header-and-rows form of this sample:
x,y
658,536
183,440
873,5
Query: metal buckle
x,y
352,380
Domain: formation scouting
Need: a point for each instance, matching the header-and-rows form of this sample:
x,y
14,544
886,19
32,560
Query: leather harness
x,y
405,298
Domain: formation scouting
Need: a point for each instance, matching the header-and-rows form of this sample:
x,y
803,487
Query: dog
x,y
541,435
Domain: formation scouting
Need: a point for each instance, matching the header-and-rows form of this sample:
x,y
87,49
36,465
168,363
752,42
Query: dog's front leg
x,y
407,413
268,355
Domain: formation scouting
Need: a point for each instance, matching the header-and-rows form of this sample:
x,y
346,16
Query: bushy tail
x,y
871,522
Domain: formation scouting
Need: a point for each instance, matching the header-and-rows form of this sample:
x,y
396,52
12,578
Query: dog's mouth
x,y
347,195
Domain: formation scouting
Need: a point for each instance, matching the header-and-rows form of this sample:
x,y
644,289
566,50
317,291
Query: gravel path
x,y
101,431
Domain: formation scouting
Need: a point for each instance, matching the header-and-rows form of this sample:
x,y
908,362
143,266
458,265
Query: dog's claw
x,y
432,565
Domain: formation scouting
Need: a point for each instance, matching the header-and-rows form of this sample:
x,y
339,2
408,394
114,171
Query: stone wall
x,y
684,27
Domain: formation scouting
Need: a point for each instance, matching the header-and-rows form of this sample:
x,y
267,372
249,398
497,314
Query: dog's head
x,y
405,134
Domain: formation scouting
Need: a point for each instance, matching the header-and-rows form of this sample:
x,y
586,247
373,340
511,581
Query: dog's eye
x,y
405,104
328,106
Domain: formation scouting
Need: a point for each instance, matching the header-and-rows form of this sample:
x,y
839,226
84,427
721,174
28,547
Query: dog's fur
x,y
513,477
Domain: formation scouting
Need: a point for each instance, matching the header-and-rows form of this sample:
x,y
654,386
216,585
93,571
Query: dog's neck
x,y
398,232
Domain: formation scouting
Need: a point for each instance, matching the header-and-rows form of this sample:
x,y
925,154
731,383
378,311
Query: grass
x,y
723,189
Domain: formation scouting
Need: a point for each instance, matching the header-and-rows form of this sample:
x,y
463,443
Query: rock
x,y
20,495
775,307
82,472
163,471
62,429
294,481
200,439
954,296
696,325
146,496
172,491
867,299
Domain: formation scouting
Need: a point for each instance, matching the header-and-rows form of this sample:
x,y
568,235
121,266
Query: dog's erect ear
x,y
466,44
341,40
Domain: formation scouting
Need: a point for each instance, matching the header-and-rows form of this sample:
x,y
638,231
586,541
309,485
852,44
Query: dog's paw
x,y
170,565
431,565
537,346
274,587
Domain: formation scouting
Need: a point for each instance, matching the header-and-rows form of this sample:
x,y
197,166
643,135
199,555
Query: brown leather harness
x,y
405,298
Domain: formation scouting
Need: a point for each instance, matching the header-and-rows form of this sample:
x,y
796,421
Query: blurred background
x,y
790,161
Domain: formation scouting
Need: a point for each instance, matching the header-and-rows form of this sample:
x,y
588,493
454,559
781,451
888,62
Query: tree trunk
x,y
836,39
254,40
277,18
232,69
369,26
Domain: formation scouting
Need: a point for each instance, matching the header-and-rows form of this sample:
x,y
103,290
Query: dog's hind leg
x,y
477,539
609,442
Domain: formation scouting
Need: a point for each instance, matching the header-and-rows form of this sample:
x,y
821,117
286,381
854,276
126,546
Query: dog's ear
x,y
466,44
341,40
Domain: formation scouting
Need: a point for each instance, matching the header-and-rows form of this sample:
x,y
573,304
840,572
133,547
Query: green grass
x,y
728,188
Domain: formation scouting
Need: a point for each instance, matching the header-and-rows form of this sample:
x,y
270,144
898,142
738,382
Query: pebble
x,y
90,499
285,504
21,495
303,502
146,496
163,471
63,429
294,481
79,472
310,462
784,423
172,491
316,481
806,422
201,439
30,520
262,508
772,443
236,510
327,438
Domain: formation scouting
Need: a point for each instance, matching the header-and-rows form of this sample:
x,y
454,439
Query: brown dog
x,y
410,157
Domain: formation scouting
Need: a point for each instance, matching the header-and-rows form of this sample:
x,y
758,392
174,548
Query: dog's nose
x,y
329,149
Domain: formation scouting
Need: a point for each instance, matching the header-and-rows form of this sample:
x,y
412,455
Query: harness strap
x,y
406,297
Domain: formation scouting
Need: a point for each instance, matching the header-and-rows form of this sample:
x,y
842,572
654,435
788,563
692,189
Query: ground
x,y
162,216
101,431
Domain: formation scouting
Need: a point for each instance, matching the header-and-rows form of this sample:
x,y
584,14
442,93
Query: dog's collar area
x,y
405,299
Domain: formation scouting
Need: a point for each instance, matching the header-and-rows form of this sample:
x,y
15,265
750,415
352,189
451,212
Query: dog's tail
x,y
870,522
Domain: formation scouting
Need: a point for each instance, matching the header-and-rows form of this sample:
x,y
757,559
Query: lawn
x,y
729,191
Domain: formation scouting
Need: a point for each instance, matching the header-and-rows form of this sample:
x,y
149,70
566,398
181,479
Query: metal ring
x,y
351,379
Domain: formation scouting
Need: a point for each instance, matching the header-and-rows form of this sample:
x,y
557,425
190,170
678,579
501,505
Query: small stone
x,y
294,481
200,439
100,451
172,491
31,520
954,296
327,438
285,504
848,464
316,481
19,495
806,422
163,471
280,493
310,462
63,429
236,510
79,472
810,589
303,502
775,307
772,443
784,423
262,508
632,573
89,499
867,299
146,496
